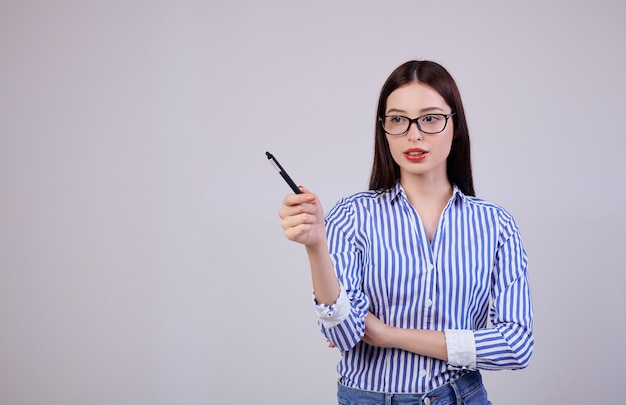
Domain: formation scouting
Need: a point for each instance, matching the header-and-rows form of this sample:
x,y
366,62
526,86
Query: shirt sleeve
x,y
332,315
508,343
343,322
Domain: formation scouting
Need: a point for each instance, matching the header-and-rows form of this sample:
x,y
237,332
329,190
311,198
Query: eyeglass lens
x,y
430,124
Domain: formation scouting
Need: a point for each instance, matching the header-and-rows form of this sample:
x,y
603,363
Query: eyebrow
x,y
423,110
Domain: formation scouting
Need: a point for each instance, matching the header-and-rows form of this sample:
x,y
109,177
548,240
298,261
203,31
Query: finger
x,y
298,215
296,199
303,234
299,220
297,209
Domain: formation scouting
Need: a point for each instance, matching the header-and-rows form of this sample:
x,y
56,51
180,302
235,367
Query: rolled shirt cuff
x,y
332,315
461,348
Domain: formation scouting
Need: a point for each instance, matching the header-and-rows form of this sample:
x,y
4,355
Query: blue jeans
x,y
466,390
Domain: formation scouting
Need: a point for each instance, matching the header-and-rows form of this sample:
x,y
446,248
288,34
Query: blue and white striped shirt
x,y
470,282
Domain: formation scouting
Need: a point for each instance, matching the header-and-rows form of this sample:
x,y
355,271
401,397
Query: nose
x,y
414,132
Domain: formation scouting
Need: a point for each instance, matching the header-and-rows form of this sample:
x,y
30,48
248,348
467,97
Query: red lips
x,y
415,154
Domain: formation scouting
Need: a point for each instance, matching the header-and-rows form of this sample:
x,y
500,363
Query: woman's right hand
x,y
303,218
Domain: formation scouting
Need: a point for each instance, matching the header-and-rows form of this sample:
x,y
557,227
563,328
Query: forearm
x,y
424,342
428,343
325,283
489,349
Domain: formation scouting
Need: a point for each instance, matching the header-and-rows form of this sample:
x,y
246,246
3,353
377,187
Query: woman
x,y
419,283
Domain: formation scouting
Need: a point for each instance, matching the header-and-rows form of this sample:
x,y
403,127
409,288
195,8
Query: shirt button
x,y
430,267
429,302
422,373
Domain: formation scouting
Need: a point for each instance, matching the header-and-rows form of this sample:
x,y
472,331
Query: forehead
x,y
415,97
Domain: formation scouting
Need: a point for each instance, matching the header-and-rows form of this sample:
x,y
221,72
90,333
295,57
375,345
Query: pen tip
x,y
269,155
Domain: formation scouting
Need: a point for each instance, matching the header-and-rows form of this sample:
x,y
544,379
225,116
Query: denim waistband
x,y
450,393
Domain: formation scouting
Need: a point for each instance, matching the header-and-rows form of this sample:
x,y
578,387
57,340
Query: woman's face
x,y
417,153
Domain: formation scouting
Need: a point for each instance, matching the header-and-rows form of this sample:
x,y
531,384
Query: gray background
x,y
141,256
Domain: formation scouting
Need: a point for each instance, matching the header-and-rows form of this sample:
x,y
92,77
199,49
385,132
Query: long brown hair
x,y
385,171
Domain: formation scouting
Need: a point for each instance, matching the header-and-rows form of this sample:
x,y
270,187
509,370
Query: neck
x,y
429,196
426,188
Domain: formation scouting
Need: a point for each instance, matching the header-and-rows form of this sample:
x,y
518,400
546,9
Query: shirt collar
x,y
396,191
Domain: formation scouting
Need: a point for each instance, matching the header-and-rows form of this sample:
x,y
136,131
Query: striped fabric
x,y
471,277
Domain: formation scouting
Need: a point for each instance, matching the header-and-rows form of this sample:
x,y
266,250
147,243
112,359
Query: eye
x,y
431,118
396,119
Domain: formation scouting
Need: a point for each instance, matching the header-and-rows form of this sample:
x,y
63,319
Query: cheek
x,y
448,139
394,148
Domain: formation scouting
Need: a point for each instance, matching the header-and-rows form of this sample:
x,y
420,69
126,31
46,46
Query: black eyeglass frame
x,y
416,121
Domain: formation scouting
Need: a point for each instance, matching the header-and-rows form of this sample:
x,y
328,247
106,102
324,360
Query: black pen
x,y
283,173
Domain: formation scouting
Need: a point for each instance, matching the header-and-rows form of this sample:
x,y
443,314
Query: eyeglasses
x,y
427,124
